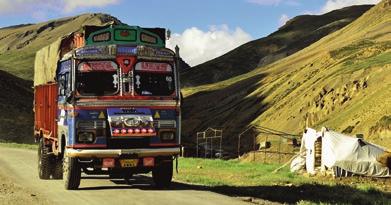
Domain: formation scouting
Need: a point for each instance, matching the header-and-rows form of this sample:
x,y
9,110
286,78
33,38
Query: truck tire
x,y
44,165
72,173
162,174
57,171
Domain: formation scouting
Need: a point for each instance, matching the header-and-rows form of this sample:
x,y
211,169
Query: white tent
x,y
352,154
342,152
310,136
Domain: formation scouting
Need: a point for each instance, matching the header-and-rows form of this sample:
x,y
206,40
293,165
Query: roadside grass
x,y
233,172
257,180
17,145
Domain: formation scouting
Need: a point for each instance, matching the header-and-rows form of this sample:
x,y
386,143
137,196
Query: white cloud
x,y
283,19
337,4
197,46
71,5
308,12
19,6
46,6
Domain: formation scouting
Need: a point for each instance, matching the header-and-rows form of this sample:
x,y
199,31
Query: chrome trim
x,y
91,124
101,153
128,103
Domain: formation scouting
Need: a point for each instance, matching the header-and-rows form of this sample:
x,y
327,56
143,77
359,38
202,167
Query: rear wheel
x,y
162,174
44,166
71,173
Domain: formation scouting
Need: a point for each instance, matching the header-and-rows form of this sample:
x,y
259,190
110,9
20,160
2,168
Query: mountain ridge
x,y
296,34
341,81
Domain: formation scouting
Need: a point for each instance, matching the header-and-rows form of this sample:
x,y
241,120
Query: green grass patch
x,y
17,145
352,48
385,121
234,173
19,63
352,65
257,180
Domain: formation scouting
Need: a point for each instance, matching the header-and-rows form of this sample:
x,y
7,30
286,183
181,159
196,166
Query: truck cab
x,y
112,106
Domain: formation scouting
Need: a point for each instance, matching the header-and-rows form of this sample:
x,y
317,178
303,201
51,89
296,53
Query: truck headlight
x,y
85,137
167,136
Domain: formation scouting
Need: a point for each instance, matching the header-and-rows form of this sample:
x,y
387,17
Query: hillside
x,y
16,103
18,44
295,35
342,81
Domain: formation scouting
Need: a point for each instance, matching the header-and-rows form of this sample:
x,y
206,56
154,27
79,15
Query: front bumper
x,y
115,153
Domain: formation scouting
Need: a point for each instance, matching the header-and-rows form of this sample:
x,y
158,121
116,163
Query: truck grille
x,y
91,124
165,124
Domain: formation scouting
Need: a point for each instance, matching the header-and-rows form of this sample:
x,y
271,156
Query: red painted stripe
x,y
105,107
125,97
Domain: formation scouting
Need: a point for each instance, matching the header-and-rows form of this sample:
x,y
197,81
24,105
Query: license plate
x,y
128,162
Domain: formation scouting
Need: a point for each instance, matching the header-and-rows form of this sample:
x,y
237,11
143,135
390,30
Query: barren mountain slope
x,y
343,81
295,35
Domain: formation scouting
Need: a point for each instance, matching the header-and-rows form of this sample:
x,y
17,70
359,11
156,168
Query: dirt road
x,y
19,179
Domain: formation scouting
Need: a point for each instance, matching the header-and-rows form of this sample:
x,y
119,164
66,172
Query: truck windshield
x,y
154,79
97,78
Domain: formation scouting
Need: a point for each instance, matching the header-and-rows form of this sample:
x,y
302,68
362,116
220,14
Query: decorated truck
x,y
107,101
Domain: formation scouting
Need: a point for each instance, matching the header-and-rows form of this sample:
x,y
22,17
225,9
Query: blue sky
x,y
233,22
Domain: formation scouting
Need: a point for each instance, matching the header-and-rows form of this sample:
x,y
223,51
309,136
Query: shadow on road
x,y
317,193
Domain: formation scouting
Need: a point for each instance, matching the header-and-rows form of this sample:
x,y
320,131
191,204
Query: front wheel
x,y
162,174
72,173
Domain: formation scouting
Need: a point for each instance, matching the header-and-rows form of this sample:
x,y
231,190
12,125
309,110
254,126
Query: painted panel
x,y
153,67
102,66
45,99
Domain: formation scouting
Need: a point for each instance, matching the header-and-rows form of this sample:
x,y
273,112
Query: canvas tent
x,y
342,152
352,154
